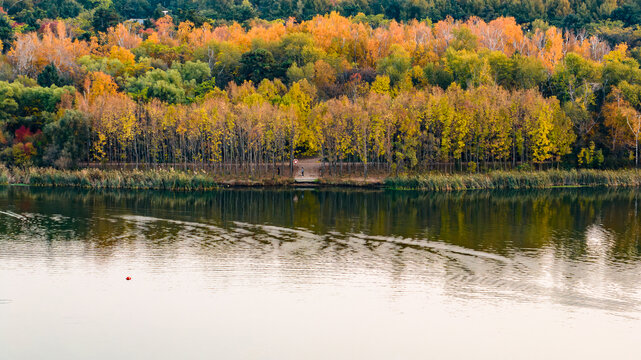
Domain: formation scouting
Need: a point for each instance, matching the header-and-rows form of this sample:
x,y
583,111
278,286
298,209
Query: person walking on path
x,y
302,171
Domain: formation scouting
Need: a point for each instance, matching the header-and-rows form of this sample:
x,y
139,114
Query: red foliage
x,y
51,25
22,133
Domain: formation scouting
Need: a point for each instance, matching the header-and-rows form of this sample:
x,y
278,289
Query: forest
x,y
92,15
400,86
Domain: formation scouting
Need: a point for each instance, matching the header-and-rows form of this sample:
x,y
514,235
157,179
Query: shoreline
x,y
178,180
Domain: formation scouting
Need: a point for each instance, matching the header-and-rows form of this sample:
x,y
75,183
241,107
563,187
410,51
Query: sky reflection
x,y
333,275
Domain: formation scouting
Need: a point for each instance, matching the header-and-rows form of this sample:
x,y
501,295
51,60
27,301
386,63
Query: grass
x,y
518,180
4,175
111,179
198,181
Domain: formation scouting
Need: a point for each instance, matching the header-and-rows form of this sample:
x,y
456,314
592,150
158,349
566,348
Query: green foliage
x,y
575,79
375,21
61,9
114,67
67,139
464,39
438,75
507,95
296,73
50,76
223,59
257,65
299,48
619,67
396,65
8,104
136,9
164,55
205,87
468,68
242,12
6,32
196,71
160,84
104,18
590,157
526,73
24,112
536,13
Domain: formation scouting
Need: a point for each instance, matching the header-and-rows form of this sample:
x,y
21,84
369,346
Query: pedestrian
x,y
302,171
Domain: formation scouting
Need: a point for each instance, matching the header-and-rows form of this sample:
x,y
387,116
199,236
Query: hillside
x,y
408,95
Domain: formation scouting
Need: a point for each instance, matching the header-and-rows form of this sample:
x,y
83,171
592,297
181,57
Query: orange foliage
x,y
123,36
97,86
347,41
165,32
502,34
547,46
31,53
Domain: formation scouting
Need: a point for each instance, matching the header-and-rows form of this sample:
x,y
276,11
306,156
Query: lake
x,y
319,274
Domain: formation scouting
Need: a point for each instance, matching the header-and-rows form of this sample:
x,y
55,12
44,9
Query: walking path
x,y
312,169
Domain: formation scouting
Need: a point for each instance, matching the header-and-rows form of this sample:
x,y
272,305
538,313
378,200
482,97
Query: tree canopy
x,y
383,86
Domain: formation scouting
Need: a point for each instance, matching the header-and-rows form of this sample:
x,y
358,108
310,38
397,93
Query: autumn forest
x,y
399,95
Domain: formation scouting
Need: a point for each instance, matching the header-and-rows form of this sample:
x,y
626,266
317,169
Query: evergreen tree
x,y
6,32
50,76
104,18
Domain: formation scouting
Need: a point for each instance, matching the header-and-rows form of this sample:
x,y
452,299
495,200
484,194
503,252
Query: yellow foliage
x,y
125,56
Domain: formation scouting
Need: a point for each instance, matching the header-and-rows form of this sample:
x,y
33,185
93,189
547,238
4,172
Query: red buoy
x,y
128,278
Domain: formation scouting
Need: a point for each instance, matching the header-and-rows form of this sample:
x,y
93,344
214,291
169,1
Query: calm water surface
x,y
319,274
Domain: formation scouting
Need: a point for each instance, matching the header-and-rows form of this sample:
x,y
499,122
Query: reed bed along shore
x,y
178,180
518,180
157,179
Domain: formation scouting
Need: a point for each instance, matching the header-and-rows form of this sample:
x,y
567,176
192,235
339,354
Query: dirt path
x,y
312,169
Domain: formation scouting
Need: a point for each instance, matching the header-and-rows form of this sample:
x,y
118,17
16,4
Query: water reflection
x,y
571,246
498,222
573,249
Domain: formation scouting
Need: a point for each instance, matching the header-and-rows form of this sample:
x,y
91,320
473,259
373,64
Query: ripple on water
x,y
595,279
464,272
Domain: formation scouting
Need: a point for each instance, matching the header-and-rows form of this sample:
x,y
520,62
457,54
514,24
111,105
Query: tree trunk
x,y
291,157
